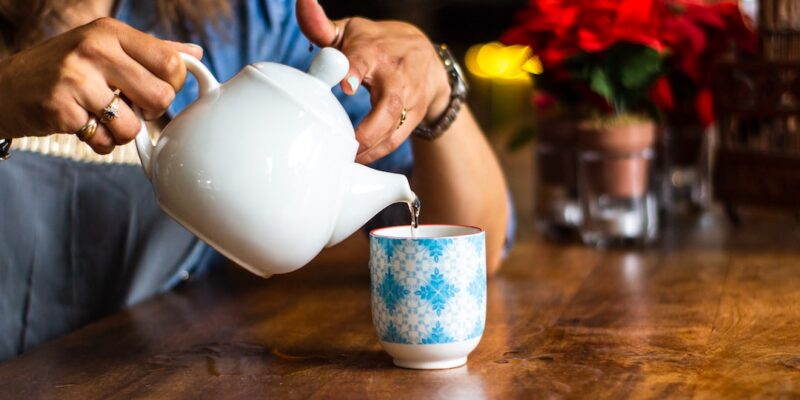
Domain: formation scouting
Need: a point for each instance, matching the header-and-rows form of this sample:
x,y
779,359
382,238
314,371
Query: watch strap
x,y
458,94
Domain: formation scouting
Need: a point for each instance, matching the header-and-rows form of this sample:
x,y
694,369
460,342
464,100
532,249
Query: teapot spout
x,y
367,192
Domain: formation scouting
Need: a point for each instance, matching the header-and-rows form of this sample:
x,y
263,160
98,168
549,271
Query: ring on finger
x,y
403,115
110,111
336,35
87,130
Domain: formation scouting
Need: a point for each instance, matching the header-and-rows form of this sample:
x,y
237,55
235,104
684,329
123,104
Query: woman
x,y
81,235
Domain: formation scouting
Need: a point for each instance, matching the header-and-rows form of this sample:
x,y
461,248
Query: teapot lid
x,y
312,91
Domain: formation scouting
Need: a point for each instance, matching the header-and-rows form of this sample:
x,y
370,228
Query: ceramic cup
x,y
428,293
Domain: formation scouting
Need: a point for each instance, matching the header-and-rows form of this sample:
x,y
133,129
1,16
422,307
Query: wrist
x,y
441,100
450,94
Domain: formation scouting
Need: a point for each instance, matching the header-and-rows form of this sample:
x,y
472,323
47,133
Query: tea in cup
x,y
428,293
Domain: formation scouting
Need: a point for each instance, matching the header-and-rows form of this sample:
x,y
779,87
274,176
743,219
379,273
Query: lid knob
x,y
329,66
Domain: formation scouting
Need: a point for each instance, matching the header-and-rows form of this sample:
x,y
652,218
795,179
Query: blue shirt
x,y
84,239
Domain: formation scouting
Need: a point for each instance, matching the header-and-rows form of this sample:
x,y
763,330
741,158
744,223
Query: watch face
x,y
460,77
460,72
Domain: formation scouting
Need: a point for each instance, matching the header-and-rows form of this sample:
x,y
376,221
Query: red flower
x,y
695,36
542,100
698,36
704,105
661,94
559,29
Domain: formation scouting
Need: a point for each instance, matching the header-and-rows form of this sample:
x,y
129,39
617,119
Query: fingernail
x,y
353,82
196,46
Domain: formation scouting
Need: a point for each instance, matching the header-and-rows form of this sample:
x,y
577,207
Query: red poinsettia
x,y
605,52
559,29
585,42
698,35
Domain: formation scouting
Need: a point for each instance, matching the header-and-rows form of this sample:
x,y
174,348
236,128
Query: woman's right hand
x,y
56,86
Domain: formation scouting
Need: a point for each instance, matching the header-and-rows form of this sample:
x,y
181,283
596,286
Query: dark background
x,y
459,23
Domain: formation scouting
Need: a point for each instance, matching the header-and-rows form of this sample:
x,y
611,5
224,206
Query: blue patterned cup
x,y
428,293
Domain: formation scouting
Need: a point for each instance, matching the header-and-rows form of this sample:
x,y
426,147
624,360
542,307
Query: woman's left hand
x,y
396,62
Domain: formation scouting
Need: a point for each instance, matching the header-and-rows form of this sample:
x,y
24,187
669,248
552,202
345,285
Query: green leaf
x,y
601,84
641,69
653,111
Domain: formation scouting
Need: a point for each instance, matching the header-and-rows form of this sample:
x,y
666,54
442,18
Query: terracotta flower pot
x,y
617,170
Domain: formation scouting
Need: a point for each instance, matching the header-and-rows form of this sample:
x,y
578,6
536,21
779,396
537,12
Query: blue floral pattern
x,y
388,247
437,335
437,291
476,241
428,290
477,330
392,335
391,291
477,288
436,247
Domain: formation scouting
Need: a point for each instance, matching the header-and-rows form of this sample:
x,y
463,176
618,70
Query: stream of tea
x,y
413,208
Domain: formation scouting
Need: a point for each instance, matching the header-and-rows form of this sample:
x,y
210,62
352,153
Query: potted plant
x,y
607,52
557,211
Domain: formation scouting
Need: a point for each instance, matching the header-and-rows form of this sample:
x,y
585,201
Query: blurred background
x,y
615,117
459,23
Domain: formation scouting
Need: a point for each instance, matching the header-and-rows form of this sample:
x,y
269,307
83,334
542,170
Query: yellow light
x,y
533,65
494,60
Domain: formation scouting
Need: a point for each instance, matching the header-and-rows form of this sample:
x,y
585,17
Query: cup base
x,y
430,356
444,364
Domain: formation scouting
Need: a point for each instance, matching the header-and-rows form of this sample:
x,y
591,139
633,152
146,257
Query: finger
x,y
393,141
157,56
144,89
382,149
360,70
191,49
313,22
380,123
124,126
101,142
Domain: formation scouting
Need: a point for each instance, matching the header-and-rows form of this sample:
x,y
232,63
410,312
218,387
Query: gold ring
x,y
88,130
110,111
402,118
335,36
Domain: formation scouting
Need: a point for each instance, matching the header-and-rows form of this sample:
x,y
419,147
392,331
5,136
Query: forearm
x,y
459,181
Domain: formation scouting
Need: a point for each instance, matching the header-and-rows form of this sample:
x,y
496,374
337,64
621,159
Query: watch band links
x,y
458,93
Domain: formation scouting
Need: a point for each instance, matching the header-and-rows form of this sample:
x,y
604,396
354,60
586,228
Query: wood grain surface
x,y
712,311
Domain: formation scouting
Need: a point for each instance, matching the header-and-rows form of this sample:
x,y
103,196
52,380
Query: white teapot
x,y
262,167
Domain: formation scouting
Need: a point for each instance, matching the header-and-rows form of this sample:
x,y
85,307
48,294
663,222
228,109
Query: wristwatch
x,y
458,94
5,148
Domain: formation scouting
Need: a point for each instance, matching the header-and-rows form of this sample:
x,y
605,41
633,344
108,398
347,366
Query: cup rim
x,y
375,232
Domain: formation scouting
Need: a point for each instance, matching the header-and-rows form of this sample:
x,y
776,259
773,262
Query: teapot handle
x,y
207,84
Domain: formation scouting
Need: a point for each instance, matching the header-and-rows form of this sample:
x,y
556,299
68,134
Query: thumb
x,y
314,23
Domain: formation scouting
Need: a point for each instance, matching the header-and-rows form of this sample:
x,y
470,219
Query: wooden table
x,y
710,311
